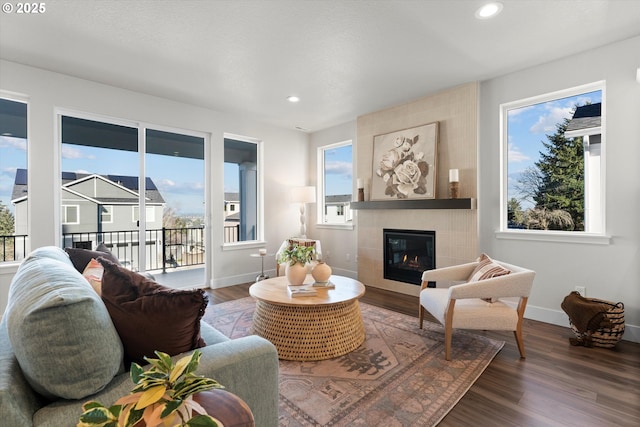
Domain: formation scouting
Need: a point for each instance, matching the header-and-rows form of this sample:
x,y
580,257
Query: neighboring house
x,y
338,209
231,204
586,123
92,204
231,217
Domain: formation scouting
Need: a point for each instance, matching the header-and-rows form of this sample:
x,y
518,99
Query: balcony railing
x,y
13,248
164,247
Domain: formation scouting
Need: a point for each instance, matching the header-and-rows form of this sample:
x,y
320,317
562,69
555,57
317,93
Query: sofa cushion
x,y
93,274
81,257
59,329
149,316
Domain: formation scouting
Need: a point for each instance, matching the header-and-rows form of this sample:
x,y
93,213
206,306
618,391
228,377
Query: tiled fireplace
x,y
456,112
407,253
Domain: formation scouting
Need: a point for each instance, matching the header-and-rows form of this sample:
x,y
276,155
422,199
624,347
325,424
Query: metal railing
x,y
164,247
13,248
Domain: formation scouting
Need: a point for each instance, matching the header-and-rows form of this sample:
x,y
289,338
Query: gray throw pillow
x,y
59,328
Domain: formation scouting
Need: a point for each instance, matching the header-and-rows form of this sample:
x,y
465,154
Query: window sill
x,y
555,236
336,226
236,246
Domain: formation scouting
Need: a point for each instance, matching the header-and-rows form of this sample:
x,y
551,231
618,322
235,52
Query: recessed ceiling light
x,y
489,10
293,98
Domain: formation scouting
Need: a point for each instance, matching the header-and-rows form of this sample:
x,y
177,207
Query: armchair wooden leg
x,y
518,334
448,332
420,316
448,329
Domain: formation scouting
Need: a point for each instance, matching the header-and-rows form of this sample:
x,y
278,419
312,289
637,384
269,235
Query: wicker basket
x,y
604,337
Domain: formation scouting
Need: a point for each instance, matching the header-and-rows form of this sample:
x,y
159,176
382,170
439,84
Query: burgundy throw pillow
x,y
149,316
81,257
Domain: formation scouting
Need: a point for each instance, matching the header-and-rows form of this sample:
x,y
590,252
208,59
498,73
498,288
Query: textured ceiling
x,y
343,58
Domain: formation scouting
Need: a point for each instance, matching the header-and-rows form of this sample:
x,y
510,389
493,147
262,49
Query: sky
x,y
180,180
527,129
338,168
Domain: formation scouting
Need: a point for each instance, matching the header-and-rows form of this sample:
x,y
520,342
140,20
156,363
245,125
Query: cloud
x,y
339,168
547,123
69,152
12,142
518,111
170,186
515,155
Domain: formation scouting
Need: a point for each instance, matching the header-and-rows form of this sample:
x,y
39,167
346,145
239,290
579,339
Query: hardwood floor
x,y
556,385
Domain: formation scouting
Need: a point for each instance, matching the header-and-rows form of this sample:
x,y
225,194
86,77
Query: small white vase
x,y
295,273
321,272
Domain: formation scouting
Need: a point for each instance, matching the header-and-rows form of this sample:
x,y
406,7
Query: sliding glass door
x,y
137,190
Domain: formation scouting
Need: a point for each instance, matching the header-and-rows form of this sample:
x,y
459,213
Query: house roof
x,y
231,197
128,183
585,117
340,198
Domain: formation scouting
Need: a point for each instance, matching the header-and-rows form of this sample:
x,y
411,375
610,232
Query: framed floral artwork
x,y
404,164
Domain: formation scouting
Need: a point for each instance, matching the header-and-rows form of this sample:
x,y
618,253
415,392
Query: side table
x,y
261,276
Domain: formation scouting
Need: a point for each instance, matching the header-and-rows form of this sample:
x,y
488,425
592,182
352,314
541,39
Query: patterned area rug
x,y
398,377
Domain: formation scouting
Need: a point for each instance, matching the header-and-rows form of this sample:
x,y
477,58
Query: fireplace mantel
x,y
417,204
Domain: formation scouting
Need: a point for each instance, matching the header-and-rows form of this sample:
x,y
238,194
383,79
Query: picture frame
x,y
404,164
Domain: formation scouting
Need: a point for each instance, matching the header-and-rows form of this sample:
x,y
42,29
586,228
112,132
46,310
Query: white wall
x,y
612,271
339,247
285,159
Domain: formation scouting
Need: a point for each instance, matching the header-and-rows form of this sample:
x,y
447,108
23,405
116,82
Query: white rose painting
x,y
404,164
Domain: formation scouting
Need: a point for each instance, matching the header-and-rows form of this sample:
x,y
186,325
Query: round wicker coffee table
x,y
318,327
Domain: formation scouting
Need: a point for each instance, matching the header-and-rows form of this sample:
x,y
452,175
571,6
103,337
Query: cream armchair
x,y
465,306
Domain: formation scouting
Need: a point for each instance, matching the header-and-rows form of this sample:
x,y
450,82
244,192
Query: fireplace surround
x,y
408,253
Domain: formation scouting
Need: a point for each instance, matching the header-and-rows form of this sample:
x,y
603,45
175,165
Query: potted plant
x,y
296,256
163,396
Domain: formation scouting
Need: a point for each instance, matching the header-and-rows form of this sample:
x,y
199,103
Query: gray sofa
x,y
247,367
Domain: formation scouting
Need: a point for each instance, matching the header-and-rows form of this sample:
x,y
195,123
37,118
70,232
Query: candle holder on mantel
x,y
360,190
454,184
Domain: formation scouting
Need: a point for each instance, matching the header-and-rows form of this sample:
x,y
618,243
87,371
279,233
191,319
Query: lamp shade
x,y
303,194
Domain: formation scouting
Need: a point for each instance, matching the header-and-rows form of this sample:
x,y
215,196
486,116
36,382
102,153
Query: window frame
x,y
594,237
108,210
64,215
321,207
22,99
260,223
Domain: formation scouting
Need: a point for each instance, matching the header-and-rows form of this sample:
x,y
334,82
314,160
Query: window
x,y
131,166
242,189
150,213
14,223
71,214
106,214
335,182
553,147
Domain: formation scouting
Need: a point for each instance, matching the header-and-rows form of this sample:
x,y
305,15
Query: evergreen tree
x,y
562,177
7,222
515,215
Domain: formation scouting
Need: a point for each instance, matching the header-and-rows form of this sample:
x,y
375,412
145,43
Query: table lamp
x,y
303,195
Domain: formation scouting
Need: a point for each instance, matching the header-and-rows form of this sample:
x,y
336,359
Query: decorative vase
x,y
295,273
321,272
